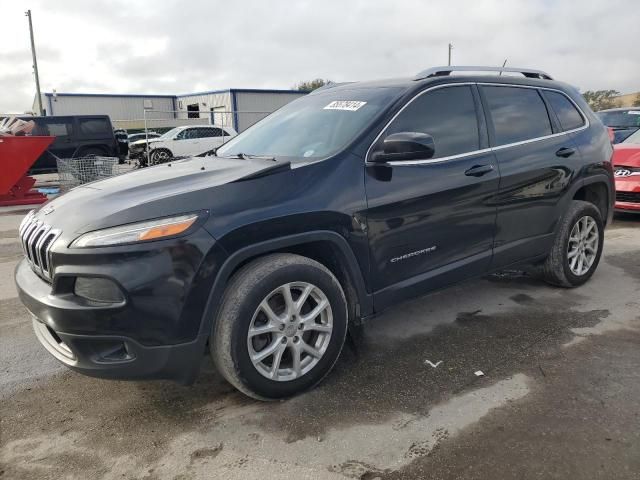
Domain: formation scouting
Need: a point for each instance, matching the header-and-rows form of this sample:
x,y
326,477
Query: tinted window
x,y
56,129
568,115
518,114
94,126
448,115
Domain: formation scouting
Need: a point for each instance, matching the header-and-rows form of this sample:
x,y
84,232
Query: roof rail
x,y
444,71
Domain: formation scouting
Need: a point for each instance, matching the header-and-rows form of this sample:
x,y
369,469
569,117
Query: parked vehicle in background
x,y
624,121
76,136
340,205
123,143
626,161
134,137
182,142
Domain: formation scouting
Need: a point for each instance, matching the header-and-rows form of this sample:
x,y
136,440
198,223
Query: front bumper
x,y
154,331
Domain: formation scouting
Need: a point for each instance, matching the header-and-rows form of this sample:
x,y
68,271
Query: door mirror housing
x,y
405,146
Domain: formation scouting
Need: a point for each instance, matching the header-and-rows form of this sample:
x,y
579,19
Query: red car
x,y
626,162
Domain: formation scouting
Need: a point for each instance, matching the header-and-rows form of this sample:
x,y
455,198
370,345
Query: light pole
x,y
35,64
450,48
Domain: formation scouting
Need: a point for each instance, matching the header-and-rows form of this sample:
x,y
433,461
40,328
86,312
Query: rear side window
x,y
518,114
567,113
211,132
94,126
448,115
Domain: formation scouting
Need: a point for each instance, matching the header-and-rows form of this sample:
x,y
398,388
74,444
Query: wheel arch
x,y
597,190
326,247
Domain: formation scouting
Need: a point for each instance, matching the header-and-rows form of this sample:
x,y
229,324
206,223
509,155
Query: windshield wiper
x,y
248,156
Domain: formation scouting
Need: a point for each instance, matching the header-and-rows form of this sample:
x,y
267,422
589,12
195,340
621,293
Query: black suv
x,y
335,207
76,136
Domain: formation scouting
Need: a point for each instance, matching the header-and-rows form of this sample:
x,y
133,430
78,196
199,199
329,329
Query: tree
x,y
601,99
309,85
636,102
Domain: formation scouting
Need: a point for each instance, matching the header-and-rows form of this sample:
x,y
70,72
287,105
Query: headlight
x,y
136,232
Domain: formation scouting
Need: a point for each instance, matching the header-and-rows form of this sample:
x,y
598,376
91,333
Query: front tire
x,y
577,249
281,326
160,155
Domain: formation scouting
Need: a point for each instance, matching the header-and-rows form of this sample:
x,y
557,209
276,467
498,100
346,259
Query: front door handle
x,y
565,152
478,170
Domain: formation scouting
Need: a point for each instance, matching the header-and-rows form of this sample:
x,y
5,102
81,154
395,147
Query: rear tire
x,y
577,249
304,329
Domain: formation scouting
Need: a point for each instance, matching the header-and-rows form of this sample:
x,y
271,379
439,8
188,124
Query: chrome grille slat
x,y
36,239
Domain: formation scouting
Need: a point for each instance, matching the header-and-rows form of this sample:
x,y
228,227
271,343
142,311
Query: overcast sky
x,y
113,46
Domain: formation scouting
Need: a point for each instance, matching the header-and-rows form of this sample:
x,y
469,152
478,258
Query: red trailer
x,y
17,154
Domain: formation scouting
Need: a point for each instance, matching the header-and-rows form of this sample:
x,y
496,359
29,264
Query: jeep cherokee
x,y
335,207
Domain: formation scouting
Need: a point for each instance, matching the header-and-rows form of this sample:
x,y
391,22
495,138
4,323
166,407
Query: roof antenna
x,y
505,62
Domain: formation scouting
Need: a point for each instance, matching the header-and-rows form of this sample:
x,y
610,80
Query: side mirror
x,y
405,146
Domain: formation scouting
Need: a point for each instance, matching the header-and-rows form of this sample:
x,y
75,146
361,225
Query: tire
x,y
262,281
559,269
160,155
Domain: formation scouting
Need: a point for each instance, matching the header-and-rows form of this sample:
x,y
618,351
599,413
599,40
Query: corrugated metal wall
x,y
219,102
118,108
254,106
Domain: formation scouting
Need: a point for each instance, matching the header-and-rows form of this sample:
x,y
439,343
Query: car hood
x,y
626,154
144,140
178,187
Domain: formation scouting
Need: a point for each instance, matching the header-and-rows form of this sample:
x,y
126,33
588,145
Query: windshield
x,y
628,118
171,133
312,127
633,138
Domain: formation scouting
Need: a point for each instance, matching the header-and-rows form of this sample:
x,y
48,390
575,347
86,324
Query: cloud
x,y
117,46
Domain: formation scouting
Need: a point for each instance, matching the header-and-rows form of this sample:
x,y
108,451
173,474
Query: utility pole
x,y
35,64
450,48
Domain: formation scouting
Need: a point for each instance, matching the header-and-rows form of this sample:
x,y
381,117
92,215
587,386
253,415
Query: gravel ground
x,y
558,399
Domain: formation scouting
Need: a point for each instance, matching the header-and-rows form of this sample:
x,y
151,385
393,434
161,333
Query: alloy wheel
x,y
290,331
583,245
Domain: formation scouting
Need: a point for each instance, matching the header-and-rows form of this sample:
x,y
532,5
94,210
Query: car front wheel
x,y
281,326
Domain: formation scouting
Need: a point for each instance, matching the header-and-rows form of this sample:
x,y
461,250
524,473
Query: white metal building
x,y
238,108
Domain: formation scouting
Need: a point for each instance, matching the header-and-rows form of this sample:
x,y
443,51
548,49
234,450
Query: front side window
x,y
518,114
448,115
315,126
568,115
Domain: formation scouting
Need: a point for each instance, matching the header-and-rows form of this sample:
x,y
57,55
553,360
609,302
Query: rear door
x,y
211,137
431,222
537,162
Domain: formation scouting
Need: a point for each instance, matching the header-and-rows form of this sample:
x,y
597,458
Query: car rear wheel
x,y
577,248
281,326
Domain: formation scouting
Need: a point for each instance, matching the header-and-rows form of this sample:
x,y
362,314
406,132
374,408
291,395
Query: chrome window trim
x,y
483,150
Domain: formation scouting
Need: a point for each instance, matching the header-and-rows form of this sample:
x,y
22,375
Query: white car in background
x,y
183,142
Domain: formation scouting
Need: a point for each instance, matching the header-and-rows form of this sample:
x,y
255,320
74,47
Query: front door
x,y
431,222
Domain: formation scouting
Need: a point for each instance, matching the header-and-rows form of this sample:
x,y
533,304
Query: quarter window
x,y
567,113
448,115
518,114
94,126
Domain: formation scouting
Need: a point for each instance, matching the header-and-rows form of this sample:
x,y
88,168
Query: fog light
x,y
96,289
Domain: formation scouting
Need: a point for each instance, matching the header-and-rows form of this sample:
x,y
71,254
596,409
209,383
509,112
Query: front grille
x,y
631,197
36,239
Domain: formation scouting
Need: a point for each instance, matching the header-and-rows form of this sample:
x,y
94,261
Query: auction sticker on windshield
x,y
350,105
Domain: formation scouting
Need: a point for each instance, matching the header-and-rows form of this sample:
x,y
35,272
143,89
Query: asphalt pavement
x,y
558,397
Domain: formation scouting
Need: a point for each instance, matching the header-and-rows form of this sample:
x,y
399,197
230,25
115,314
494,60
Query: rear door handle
x,y
478,170
565,152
